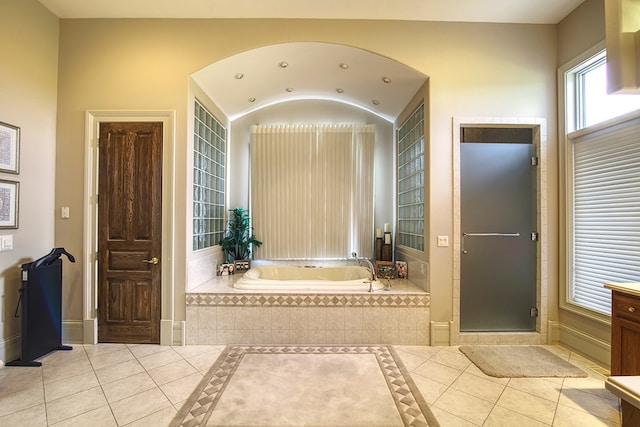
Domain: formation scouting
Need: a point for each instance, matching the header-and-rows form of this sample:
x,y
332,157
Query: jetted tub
x,y
288,278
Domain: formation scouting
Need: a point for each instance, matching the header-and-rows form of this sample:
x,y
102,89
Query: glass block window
x,y
209,161
411,181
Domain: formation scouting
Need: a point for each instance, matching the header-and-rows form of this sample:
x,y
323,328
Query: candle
x,y
378,233
387,227
387,238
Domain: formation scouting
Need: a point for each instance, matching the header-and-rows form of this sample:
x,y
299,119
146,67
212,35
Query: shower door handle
x,y
494,234
490,234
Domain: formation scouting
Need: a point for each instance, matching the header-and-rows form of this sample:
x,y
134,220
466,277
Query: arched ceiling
x,y
308,70
313,70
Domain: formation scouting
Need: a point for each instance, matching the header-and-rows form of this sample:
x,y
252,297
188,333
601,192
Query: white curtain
x,y
312,190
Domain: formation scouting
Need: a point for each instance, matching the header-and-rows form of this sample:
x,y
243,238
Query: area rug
x,y
519,361
306,386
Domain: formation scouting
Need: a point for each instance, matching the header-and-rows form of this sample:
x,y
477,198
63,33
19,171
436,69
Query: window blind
x,y
606,212
312,190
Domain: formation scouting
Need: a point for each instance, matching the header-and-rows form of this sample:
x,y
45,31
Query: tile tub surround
x,y
219,314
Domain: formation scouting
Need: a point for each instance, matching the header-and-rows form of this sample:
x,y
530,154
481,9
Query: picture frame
x,y
242,265
225,270
385,270
9,203
401,269
9,148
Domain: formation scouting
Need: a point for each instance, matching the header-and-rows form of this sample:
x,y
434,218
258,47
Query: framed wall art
x,y
9,148
9,195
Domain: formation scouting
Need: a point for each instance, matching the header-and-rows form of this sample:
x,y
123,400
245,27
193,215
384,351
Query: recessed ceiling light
x,y
340,90
344,66
252,99
386,79
376,102
239,76
289,89
283,64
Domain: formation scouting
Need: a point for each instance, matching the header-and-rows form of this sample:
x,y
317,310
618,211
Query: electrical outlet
x,y
443,241
65,212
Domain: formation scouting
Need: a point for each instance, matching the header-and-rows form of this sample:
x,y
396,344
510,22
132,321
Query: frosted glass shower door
x,y
498,217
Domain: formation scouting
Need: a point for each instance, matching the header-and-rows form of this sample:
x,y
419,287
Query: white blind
x,y
312,190
606,212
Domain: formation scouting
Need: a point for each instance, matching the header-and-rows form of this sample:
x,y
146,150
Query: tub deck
x,y
217,313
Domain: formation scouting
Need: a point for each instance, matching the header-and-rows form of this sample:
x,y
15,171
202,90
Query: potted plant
x,y
239,237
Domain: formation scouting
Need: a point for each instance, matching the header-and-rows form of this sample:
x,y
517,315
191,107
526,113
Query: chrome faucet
x,y
369,265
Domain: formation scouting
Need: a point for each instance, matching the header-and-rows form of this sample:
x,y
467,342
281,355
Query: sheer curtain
x,y
312,190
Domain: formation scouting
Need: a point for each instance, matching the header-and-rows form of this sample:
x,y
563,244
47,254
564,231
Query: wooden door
x,y
129,232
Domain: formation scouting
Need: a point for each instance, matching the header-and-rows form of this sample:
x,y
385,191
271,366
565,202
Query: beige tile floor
x,y
144,385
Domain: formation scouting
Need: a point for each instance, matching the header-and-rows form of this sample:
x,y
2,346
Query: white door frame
x,y
540,336
93,118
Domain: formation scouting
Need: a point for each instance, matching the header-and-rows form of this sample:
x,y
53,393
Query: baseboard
x,y
591,347
10,349
440,333
72,332
179,331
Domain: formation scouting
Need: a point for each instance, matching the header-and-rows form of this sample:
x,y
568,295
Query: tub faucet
x,y
369,264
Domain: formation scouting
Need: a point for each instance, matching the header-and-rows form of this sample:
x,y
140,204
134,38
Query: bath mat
x,y
306,385
519,361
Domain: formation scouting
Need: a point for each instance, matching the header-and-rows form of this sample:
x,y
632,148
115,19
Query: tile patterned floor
x,y
145,385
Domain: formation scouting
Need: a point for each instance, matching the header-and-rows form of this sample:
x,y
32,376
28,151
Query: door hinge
x,y
534,161
534,236
533,312
97,198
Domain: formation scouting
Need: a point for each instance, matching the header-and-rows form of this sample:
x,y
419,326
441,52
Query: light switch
x,y
443,241
6,243
65,212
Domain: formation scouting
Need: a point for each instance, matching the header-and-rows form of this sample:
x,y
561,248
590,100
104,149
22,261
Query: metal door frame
x,y
541,335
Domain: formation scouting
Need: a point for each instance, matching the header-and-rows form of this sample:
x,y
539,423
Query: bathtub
x,y
280,278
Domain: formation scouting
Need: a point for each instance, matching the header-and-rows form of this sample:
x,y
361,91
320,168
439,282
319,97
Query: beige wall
x,y
489,70
28,90
579,32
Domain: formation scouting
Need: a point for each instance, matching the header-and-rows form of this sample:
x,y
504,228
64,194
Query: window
x,y
606,212
603,186
593,103
312,190
411,181
209,159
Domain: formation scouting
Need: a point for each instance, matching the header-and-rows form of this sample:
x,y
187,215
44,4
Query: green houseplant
x,y
239,237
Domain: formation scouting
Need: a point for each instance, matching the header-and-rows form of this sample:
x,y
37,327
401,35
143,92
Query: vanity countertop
x,y
626,388
627,288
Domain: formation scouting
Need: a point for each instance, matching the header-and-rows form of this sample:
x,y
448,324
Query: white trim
x,y
93,118
539,126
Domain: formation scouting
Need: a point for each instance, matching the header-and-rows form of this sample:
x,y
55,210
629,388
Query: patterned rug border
x,y
412,407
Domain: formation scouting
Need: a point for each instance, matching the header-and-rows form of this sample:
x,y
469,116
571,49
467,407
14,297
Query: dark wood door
x,y
129,232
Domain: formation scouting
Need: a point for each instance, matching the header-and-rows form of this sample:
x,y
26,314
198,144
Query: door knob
x,y
153,261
